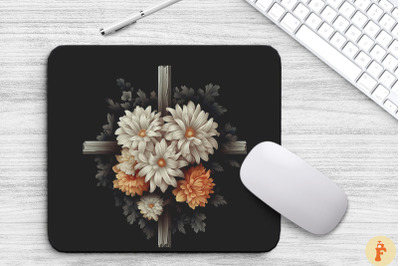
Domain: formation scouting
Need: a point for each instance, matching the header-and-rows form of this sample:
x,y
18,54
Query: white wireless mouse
x,y
293,188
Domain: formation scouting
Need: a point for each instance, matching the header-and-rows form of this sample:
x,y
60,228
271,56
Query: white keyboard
x,y
357,38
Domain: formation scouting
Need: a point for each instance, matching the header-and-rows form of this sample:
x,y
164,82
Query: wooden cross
x,y
111,147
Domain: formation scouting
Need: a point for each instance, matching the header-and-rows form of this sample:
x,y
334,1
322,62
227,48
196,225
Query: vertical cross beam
x,y
164,89
164,101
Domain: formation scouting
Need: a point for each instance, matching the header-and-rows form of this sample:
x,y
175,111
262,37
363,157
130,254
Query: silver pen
x,y
132,19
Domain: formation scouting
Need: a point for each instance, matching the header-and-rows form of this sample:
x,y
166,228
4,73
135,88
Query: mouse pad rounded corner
x,y
145,145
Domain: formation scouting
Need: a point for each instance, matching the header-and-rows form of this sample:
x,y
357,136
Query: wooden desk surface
x,y
325,120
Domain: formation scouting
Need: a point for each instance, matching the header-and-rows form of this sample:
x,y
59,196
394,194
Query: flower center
x,y
190,132
142,133
151,205
161,162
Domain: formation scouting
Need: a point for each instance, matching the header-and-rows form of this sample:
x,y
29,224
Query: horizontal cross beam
x,y
111,147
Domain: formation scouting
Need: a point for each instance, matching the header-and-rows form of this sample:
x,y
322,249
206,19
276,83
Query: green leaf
x,y
126,96
104,173
181,226
131,218
153,96
211,91
184,95
113,106
181,222
126,106
130,210
197,222
118,201
147,228
216,167
108,129
216,109
234,163
218,200
121,83
124,86
142,99
229,129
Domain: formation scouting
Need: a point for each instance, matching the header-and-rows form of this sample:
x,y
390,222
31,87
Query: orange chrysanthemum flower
x,y
129,184
196,188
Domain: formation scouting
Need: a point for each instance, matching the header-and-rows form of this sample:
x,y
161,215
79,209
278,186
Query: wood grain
x,y
325,120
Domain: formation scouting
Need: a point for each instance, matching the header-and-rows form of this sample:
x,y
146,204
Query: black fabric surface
x,y
81,216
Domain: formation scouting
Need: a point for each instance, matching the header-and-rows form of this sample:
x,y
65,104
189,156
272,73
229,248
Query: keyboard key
x,y
333,57
316,5
395,88
347,9
313,21
394,47
341,23
375,12
365,43
378,52
387,79
350,50
290,22
362,59
359,19
387,22
395,13
353,33
390,105
384,38
264,4
371,29
335,3
301,11
289,4
328,14
325,30
362,4
374,69
390,62
367,83
380,93
395,31
386,5
276,11
338,40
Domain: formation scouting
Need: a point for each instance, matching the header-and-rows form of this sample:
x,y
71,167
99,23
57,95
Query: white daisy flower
x,y
192,132
160,167
139,130
126,162
151,206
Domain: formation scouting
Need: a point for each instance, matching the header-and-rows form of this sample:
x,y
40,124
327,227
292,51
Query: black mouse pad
x,y
145,145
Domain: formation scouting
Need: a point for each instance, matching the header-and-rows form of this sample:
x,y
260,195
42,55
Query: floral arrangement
x,y
165,162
